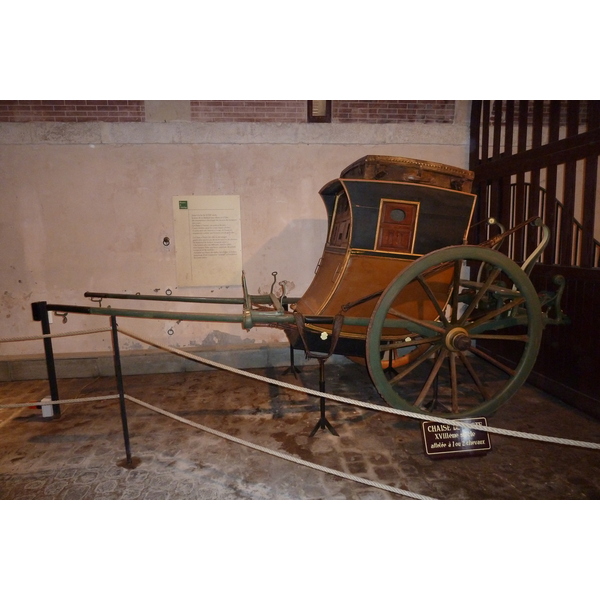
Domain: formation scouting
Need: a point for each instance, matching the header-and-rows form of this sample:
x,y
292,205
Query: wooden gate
x,y
540,158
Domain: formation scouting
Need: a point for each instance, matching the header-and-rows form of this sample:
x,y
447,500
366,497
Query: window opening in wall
x,y
319,111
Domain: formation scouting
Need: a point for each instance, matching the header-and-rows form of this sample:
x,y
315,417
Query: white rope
x,y
52,335
278,454
366,405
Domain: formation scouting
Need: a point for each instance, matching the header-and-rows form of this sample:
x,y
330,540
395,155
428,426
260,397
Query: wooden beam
x,y
590,186
560,152
568,254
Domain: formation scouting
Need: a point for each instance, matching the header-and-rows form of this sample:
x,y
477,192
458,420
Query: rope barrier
x,y
366,405
358,403
278,454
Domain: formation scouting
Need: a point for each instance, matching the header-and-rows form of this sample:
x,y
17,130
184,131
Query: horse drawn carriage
x,y
444,327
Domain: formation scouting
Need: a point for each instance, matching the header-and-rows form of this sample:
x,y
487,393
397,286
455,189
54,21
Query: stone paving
x,y
80,454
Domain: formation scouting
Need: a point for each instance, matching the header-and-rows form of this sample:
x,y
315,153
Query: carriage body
x,y
383,213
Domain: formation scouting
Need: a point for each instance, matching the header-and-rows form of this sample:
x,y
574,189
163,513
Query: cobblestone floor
x,y
79,455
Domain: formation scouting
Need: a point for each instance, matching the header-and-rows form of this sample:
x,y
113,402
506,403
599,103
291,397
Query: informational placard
x,y
444,441
208,240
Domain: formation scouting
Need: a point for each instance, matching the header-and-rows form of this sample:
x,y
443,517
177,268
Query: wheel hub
x,y
458,340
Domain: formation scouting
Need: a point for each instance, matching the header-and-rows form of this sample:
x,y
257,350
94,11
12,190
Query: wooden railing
x,y
540,158
522,243
521,146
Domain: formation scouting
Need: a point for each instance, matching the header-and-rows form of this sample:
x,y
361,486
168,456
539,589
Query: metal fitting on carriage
x,y
247,322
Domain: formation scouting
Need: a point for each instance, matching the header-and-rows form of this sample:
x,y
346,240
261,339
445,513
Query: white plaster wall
x,y
85,207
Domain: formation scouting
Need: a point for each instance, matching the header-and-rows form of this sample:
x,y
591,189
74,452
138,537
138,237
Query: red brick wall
x,y
19,111
272,111
227,111
343,111
393,111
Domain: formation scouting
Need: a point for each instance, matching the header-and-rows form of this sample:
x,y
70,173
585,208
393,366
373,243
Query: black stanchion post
x,y
128,462
323,422
40,313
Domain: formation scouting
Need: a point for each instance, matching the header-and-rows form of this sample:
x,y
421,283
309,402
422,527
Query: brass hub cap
x,y
458,340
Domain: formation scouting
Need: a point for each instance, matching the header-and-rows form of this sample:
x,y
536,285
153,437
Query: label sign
x,y
208,240
446,441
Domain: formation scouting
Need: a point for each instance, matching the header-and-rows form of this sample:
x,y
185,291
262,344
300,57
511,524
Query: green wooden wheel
x,y
481,333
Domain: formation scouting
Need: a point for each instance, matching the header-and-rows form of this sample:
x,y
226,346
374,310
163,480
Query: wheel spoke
x,y
482,290
433,299
405,317
453,381
455,291
489,316
500,336
410,343
413,365
432,375
480,386
492,360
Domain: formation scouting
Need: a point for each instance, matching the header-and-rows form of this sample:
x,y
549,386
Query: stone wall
x,y
85,207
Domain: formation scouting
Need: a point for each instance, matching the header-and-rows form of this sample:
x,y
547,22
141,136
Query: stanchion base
x,y
130,464
323,424
292,369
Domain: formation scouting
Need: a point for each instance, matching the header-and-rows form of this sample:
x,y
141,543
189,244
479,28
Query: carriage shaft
x,y
255,317
256,299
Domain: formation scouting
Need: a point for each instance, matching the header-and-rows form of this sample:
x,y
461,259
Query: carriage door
x,y
397,225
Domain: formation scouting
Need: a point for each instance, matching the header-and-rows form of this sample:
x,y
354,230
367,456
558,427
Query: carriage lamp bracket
x,y
274,299
274,275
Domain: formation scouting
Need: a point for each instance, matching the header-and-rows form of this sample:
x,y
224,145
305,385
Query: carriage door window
x,y
397,225
340,226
